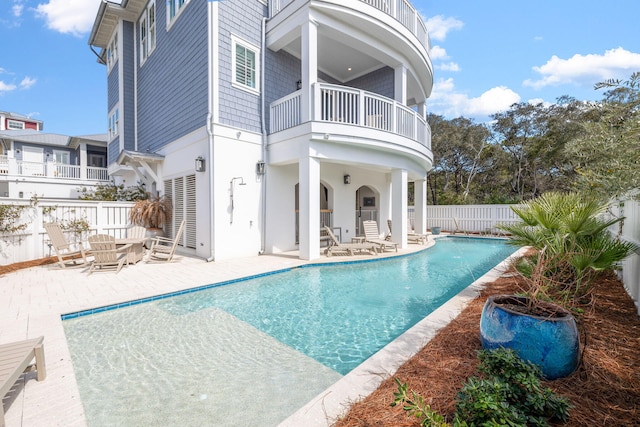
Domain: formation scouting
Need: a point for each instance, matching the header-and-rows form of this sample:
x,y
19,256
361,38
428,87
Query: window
x,y
114,121
96,160
148,31
174,7
61,157
245,65
112,52
15,125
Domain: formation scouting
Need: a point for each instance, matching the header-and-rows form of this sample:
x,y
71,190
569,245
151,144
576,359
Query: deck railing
x,y
11,166
346,105
401,10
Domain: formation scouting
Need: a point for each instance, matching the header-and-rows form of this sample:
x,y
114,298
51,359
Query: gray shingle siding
x,y
282,71
380,81
113,150
127,105
172,83
242,19
112,88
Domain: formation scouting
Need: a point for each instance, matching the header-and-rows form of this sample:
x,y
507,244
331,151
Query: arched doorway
x,y
367,207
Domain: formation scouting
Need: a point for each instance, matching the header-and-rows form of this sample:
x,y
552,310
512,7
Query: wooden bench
x,y
16,358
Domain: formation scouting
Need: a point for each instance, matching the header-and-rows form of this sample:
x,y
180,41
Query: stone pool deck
x,y
32,301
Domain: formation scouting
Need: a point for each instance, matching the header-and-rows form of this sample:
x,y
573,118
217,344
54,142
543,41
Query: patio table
x,y
136,248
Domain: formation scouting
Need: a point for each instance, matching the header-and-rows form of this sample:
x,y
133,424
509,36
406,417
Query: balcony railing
x,y
402,10
11,166
345,105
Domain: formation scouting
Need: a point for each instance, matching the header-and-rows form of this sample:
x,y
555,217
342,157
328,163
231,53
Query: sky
x,y
486,56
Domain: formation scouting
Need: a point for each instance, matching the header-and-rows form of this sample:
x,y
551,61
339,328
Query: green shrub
x,y
112,192
508,394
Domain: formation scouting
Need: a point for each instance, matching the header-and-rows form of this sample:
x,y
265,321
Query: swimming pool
x,y
273,342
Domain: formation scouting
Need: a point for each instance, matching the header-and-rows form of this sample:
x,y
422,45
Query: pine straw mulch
x,y
4,269
605,390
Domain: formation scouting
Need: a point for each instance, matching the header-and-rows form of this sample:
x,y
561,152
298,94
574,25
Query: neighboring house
x,y
264,121
34,163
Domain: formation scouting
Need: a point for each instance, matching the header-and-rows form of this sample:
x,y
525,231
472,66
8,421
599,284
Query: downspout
x,y
212,255
263,129
210,118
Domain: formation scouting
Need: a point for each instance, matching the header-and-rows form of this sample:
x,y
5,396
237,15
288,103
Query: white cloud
x,y
17,9
449,66
69,16
446,101
586,69
27,82
6,87
438,26
438,52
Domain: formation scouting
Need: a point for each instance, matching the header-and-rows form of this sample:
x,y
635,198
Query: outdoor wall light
x,y
260,168
200,164
347,179
299,85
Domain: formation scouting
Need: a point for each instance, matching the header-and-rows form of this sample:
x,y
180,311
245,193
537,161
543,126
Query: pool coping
x,y
333,403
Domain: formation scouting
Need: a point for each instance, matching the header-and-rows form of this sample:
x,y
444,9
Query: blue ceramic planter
x,y
552,343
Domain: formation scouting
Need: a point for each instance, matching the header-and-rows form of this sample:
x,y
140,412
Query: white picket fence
x,y
33,243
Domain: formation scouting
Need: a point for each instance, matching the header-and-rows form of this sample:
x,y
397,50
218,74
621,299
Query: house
x,y
264,121
35,163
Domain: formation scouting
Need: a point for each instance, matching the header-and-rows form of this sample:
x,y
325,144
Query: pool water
x,y
252,352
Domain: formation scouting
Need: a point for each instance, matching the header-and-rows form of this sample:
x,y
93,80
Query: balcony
x,y
401,10
348,106
14,167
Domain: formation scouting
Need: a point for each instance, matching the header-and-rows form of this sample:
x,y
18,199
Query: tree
x,y
458,147
607,153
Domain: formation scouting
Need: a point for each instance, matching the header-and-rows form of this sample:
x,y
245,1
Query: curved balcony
x,y
401,10
350,106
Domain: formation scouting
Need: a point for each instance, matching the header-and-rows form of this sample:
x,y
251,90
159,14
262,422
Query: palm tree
x,y
570,233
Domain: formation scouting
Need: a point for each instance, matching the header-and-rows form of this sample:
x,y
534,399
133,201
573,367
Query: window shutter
x,y
190,208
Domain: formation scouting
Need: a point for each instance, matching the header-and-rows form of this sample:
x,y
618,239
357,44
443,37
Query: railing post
x,y
317,102
361,115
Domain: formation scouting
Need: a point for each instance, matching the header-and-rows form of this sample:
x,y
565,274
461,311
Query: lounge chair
x,y
372,235
411,236
350,248
457,227
107,256
74,252
163,248
136,232
16,358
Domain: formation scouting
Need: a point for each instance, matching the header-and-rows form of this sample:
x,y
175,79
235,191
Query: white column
x,y
309,67
83,161
400,84
309,207
399,207
422,109
420,201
